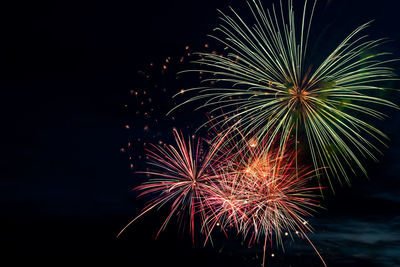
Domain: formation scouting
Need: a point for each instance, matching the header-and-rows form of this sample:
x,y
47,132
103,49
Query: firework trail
x,y
270,87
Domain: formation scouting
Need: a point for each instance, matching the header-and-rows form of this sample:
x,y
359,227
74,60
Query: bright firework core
x,y
300,95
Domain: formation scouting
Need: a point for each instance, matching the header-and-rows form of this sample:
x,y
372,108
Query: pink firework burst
x,y
181,175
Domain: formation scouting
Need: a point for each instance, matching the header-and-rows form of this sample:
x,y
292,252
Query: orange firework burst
x,y
262,194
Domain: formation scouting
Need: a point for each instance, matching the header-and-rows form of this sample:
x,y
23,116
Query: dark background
x,y
67,68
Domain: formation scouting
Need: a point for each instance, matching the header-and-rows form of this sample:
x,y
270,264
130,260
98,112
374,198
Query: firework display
x,y
280,129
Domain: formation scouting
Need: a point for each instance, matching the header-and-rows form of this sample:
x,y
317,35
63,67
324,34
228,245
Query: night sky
x,y
73,78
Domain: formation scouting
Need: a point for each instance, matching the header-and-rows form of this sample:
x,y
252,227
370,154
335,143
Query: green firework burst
x,y
267,87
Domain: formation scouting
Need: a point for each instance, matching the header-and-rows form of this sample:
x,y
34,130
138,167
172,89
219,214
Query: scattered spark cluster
x,y
249,175
145,105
